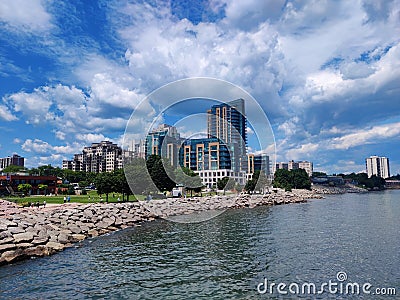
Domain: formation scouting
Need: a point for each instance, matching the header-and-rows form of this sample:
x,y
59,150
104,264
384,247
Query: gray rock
x,y
6,247
23,237
55,246
78,237
39,241
12,255
63,238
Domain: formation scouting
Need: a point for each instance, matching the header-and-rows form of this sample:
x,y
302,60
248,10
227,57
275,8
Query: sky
x,y
326,73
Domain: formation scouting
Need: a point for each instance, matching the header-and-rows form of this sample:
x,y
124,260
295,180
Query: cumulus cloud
x,y
315,78
30,16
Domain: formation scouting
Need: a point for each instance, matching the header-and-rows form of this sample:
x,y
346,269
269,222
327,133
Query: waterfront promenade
x,y
28,232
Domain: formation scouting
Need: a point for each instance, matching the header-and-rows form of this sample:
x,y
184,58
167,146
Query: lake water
x,y
230,256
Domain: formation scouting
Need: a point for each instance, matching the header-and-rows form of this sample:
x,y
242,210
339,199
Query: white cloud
x,y
90,137
36,146
365,136
41,147
6,114
25,15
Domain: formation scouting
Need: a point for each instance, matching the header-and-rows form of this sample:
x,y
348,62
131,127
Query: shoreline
x,y
35,232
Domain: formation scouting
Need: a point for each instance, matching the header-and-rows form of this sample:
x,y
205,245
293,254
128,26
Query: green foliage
x,y
258,181
317,174
159,173
226,183
287,180
189,179
84,192
13,169
24,188
71,190
370,183
138,177
104,183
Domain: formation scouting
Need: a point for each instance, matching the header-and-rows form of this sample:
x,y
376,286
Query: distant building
x,y
14,160
164,141
292,165
97,158
378,166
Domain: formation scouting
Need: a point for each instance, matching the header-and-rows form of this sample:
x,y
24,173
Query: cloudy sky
x,y
326,73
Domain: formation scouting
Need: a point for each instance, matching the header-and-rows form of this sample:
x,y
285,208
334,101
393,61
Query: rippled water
x,y
228,256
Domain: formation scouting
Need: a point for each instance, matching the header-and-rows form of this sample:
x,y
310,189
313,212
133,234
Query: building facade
x,y
379,166
164,141
9,183
211,159
97,158
258,162
227,122
14,160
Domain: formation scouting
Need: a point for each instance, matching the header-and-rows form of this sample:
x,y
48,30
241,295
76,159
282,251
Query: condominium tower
x,y
378,166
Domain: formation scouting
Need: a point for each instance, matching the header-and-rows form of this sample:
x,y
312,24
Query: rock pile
x,y
27,232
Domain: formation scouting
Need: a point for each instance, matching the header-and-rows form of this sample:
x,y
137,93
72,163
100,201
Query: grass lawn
x,y
91,197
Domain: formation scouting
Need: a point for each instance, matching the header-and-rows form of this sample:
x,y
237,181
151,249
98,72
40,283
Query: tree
x,y
42,187
226,183
282,179
296,178
299,179
121,184
104,183
24,188
138,177
189,179
13,169
317,174
160,172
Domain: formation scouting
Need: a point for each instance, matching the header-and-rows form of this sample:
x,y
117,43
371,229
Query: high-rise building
x,y
164,141
14,160
99,157
227,122
378,166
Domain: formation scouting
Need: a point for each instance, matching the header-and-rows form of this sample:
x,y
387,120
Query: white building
x,y
378,166
99,157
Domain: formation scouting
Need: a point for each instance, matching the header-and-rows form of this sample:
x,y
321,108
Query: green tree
x,y
138,177
189,179
317,174
160,172
282,180
226,183
43,187
121,184
299,179
24,188
13,169
104,183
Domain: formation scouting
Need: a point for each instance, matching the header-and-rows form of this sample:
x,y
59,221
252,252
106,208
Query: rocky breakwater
x,y
28,232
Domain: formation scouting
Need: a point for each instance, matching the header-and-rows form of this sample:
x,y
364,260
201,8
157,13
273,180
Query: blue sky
x,y
326,73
